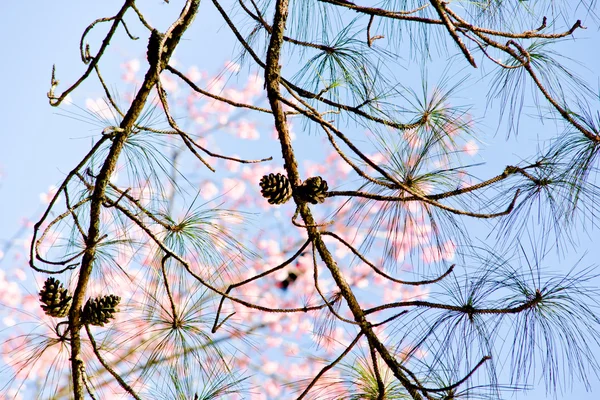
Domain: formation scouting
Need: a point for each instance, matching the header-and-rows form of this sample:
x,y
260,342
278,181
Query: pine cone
x,y
98,311
153,45
313,190
55,299
276,188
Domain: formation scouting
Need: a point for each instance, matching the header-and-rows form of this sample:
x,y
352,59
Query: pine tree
x,y
382,246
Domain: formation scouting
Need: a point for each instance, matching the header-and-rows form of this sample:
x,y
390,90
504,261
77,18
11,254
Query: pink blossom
x,y
272,388
393,294
362,283
236,95
343,167
471,148
46,197
412,137
254,85
431,254
232,66
247,130
131,68
169,84
273,341
232,166
101,109
271,246
208,190
194,74
435,254
291,349
216,85
449,250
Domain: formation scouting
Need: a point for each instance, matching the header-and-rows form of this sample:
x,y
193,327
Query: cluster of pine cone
x,y
277,189
56,302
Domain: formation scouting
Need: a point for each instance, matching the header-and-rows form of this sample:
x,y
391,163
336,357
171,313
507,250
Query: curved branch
x,y
380,272
54,100
107,367
213,96
187,267
466,309
441,10
272,81
217,325
329,366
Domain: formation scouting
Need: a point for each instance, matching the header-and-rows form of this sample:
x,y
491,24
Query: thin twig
x,y
111,371
329,366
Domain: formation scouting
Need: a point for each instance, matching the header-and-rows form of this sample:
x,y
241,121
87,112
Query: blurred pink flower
x,y
471,148
208,190
232,66
46,197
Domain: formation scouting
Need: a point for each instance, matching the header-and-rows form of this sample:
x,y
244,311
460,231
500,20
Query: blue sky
x,y
38,146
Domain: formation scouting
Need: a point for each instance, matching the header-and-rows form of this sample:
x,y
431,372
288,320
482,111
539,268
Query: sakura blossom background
x,y
39,145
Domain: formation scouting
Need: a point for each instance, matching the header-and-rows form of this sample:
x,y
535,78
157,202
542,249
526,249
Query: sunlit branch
x,y
74,215
531,34
593,136
314,115
131,36
141,17
299,225
192,144
508,171
84,48
463,25
418,385
371,39
87,384
353,109
390,319
124,194
186,139
273,81
399,185
441,10
355,167
137,203
489,57
112,102
401,15
380,386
